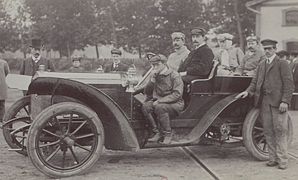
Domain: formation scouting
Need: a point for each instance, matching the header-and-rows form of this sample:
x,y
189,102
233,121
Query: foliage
x,y
8,34
135,25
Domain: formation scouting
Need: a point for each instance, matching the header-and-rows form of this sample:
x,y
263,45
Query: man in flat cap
x,y
272,88
198,63
181,51
164,99
117,65
4,70
36,61
253,56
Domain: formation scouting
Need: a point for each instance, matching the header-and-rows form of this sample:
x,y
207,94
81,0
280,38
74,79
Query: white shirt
x,y
269,60
35,59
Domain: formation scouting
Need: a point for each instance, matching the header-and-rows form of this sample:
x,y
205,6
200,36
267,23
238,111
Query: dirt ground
x,y
160,164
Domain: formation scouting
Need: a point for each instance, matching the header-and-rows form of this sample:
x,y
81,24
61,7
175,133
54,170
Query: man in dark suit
x,y
36,62
117,65
198,64
4,70
272,88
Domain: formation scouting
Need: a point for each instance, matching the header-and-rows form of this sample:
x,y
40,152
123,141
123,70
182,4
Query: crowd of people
x,y
272,84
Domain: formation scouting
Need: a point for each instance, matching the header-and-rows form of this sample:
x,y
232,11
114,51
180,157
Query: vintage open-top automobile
x,y
66,120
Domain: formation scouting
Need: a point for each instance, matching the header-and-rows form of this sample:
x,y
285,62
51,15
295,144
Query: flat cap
x,y
198,31
177,35
252,38
228,36
268,43
158,58
116,51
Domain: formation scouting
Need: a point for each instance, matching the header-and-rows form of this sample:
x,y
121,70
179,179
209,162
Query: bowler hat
x,y
116,51
35,43
268,43
158,58
198,31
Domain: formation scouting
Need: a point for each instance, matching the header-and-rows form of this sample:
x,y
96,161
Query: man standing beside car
x,y
181,52
198,64
36,61
164,99
4,70
272,88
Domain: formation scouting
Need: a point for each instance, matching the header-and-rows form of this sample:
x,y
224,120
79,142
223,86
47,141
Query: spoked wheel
x,y
254,138
65,139
16,123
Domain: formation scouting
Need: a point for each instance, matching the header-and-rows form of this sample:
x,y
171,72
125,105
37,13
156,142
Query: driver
x,y
164,99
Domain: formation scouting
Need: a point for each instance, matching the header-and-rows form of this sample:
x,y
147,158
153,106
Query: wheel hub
x,y
68,141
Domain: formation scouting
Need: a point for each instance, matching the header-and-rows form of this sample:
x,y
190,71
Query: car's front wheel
x,y
254,138
65,139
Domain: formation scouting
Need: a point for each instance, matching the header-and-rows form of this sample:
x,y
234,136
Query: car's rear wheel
x,y
16,123
253,135
65,139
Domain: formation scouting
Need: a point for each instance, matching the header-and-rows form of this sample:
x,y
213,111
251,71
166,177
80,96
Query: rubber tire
x,y
42,118
249,121
10,113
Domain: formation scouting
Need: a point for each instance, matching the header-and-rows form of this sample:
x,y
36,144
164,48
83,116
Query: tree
x,y
8,33
64,25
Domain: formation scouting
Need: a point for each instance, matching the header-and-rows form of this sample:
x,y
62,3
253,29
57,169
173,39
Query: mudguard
x,y
118,133
209,118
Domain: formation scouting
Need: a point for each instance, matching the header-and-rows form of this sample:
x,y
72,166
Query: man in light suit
x,y
4,70
272,88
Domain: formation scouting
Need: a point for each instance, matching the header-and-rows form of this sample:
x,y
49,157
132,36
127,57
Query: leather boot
x,y
156,137
167,138
165,123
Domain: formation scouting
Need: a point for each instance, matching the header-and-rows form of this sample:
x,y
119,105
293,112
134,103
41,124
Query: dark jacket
x,y
29,67
166,87
4,70
280,82
121,67
198,63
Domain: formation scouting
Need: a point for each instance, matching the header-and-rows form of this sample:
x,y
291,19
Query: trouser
x,y
275,129
2,109
163,113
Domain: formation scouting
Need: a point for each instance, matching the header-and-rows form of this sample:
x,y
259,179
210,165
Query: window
x,y
292,46
290,17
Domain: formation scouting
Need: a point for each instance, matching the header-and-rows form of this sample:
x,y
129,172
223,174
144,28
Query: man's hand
x,y
182,73
155,103
283,107
243,94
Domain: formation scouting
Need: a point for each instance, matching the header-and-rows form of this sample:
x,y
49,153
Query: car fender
x,y
209,117
118,133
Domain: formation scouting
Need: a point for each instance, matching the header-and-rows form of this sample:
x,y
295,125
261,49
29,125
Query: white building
x,y
278,20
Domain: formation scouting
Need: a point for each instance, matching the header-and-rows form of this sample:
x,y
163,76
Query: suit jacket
x,y
4,70
295,77
29,67
198,63
121,67
280,82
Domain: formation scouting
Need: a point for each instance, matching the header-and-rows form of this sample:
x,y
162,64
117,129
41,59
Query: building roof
x,y
252,3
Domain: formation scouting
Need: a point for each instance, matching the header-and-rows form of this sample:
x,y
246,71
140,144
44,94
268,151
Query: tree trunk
x,y
113,35
239,27
68,49
97,53
140,51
